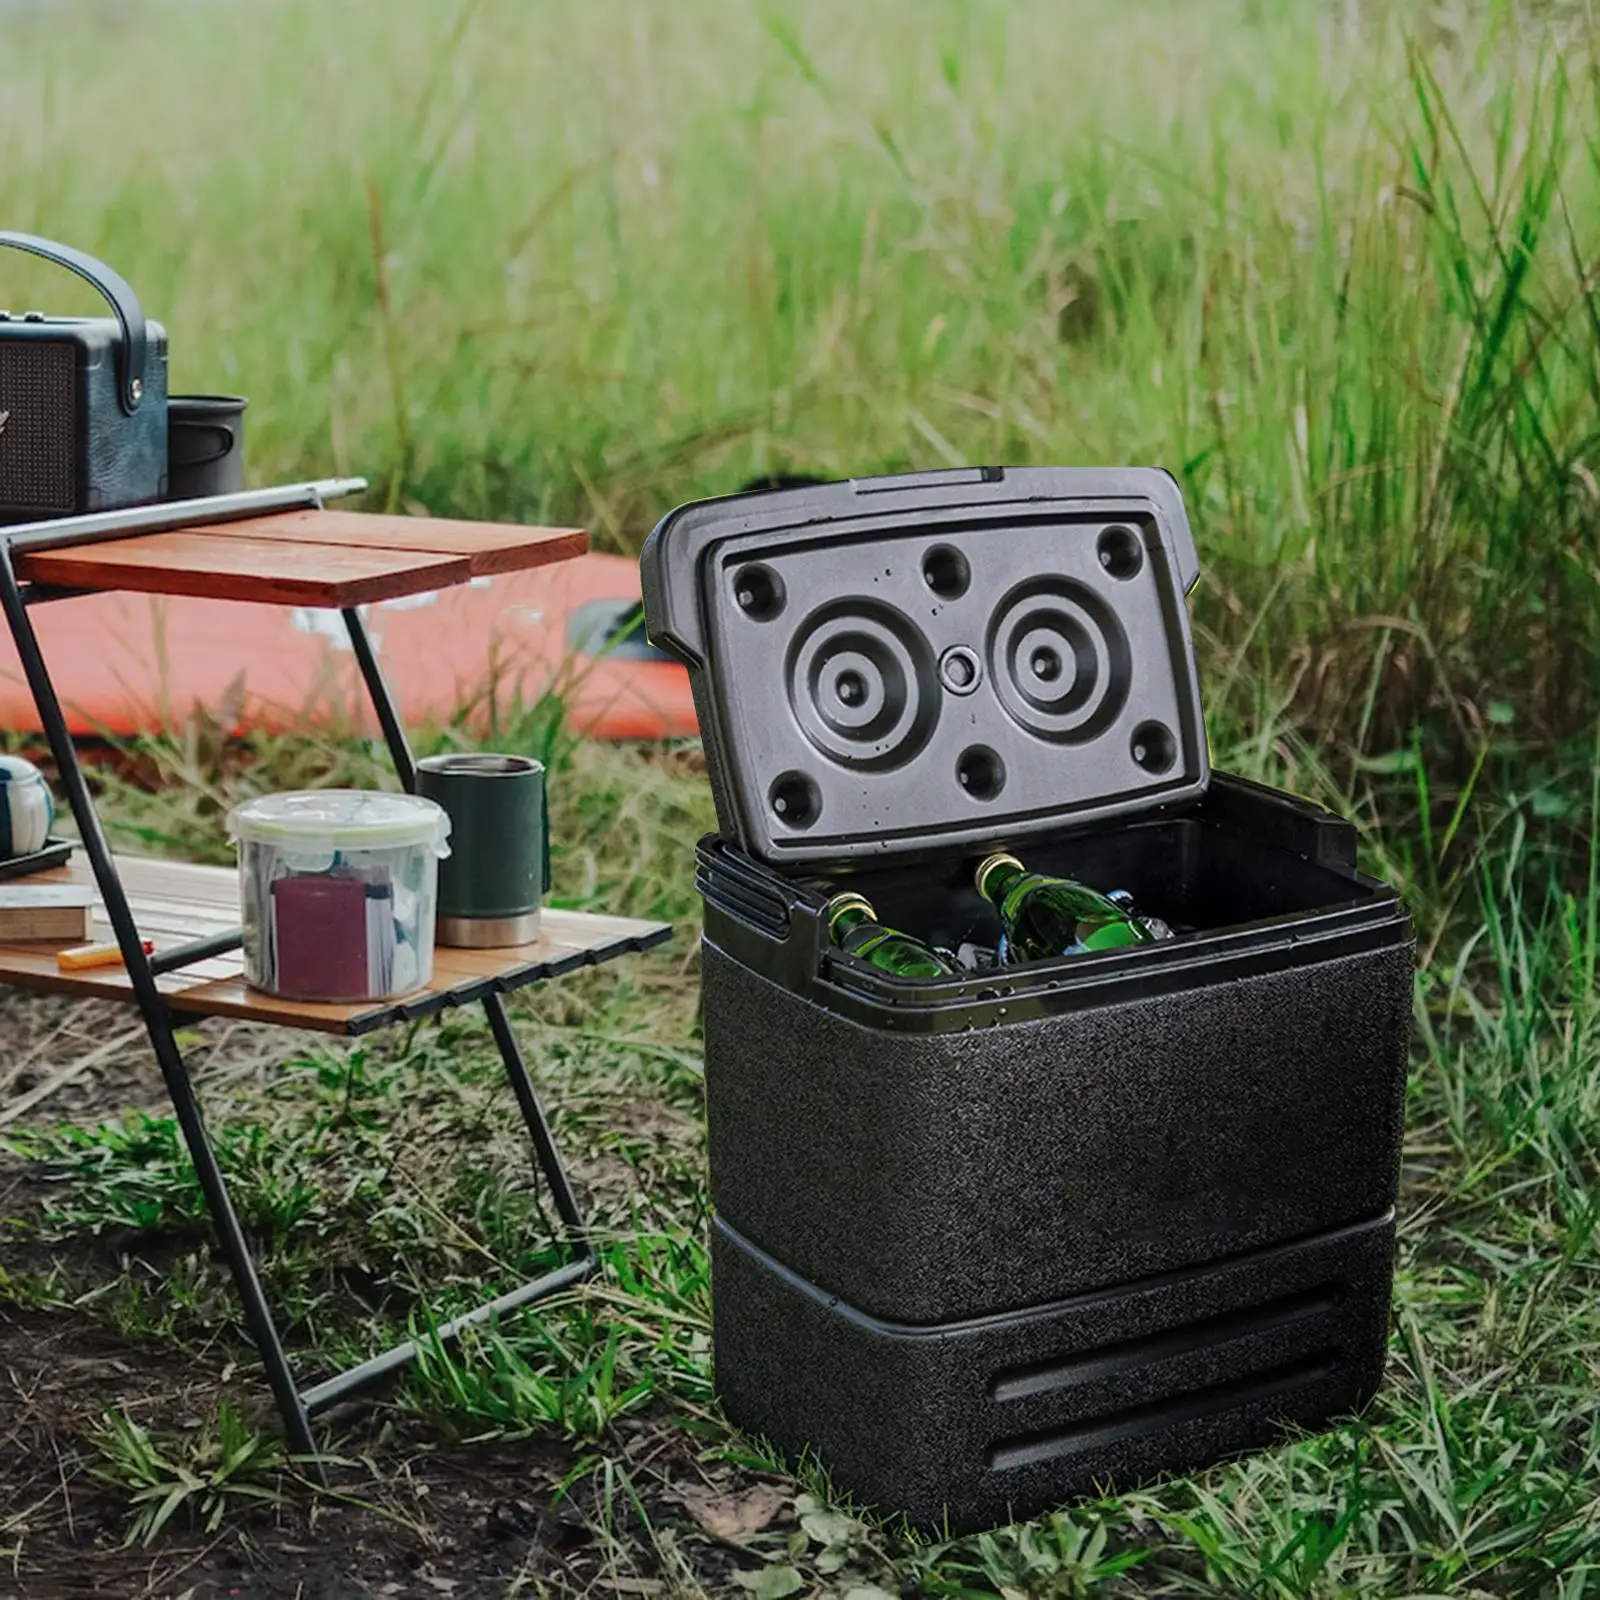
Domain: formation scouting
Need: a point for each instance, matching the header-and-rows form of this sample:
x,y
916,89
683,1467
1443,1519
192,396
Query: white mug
x,y
27,808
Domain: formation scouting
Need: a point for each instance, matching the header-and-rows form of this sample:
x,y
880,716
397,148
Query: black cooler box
x,y
984,1244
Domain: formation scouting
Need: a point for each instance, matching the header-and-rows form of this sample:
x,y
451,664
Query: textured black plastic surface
x,y
1167,1173
978,1422
897,665
1105,1117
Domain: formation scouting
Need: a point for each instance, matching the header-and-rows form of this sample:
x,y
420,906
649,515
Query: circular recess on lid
x,y
758,592
1045,663
1154,747
1059,660
1121,552
862,684
945,571
795,800
980,772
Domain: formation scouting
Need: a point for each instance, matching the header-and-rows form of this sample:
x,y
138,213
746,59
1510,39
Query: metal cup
x,y
492,882
205,445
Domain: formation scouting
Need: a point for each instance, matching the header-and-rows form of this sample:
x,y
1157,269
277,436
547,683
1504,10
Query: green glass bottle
x,y
853,925
1044,917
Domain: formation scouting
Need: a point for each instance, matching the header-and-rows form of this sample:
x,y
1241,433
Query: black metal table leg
x,y
394,735
544,1144
494,1005
343,1385
157,1019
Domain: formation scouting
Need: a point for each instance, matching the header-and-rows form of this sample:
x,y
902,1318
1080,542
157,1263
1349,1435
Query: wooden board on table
x,y
274,572
489,547
174,902
325,559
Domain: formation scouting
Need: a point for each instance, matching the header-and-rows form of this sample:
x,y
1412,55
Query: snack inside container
x,y
337,890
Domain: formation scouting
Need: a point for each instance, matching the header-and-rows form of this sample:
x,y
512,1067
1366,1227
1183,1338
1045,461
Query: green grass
x,y
1335,266
387,1187
226,1465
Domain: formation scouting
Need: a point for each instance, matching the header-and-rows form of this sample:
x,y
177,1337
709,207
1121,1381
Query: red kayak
x,y
128,663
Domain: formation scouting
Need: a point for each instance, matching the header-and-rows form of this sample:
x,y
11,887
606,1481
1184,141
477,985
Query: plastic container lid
x,y
344,819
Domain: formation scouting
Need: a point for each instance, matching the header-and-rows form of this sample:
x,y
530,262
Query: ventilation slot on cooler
x,y
1029,1449
1089,1366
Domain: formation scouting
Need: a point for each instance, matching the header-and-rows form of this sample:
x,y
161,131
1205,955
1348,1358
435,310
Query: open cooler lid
x,y
895,665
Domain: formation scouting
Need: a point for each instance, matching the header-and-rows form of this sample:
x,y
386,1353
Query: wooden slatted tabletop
x,y
174,902
328,559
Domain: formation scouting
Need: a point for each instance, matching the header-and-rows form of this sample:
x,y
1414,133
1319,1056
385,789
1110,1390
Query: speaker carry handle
x,y
117,292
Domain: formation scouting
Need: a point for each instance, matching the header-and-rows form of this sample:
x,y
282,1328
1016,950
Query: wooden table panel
x,y
275,572
174,902
489,547
186,882
326,559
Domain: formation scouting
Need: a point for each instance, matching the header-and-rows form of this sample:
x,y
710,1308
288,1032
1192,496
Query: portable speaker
x,y
83,400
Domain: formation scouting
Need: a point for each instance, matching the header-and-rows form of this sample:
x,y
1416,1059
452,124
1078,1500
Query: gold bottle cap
x,y
999,859
841,903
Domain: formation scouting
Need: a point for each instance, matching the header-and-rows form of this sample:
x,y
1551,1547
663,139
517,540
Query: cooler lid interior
x,y
905,664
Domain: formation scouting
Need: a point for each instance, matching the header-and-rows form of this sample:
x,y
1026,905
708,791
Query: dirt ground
x,y
430,1524
410,1520
403,1514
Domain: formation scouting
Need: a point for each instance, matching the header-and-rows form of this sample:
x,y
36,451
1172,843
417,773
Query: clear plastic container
x,y
338,888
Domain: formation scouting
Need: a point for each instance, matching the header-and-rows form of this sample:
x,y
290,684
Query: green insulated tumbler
x,y
491,884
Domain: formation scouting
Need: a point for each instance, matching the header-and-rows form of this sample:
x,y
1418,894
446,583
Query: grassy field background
x,y
1334,265
1337,266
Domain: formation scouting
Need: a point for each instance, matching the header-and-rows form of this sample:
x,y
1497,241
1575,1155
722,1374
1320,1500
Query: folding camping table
x,y
281,547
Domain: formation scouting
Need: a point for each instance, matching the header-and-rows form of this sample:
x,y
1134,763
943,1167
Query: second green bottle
x,y
1043,916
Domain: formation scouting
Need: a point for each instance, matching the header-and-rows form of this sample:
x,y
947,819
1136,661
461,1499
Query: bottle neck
x,y
846,913
996,876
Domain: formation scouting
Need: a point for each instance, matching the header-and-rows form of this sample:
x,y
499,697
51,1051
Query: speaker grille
x,y
38,426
